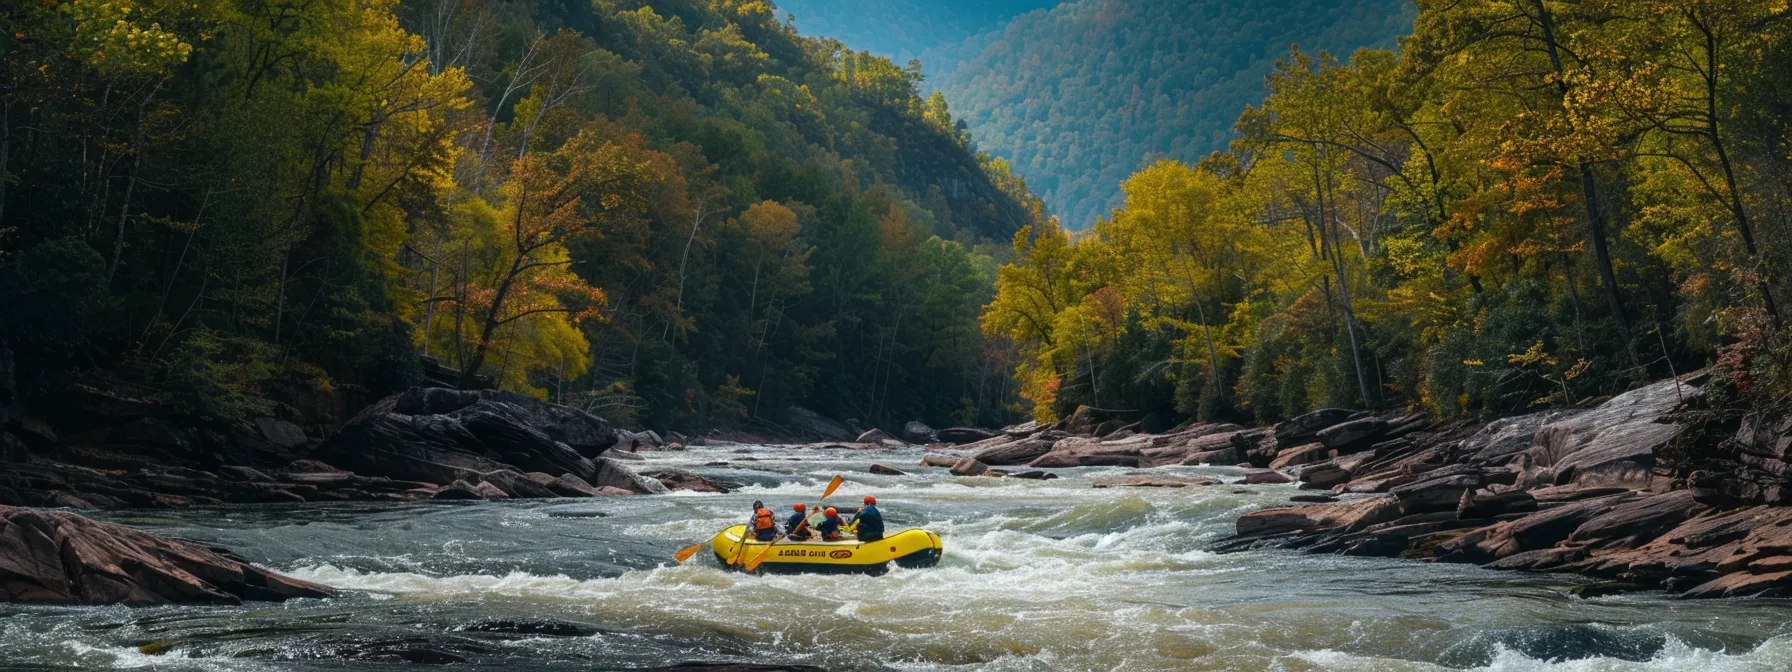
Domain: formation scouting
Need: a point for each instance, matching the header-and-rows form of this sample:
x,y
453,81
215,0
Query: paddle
x,y
754,563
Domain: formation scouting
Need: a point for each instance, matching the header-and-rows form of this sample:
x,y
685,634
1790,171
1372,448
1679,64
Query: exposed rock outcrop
x,y
53,557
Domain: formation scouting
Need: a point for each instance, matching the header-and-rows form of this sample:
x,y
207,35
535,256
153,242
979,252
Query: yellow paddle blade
x,y
832,486
686,554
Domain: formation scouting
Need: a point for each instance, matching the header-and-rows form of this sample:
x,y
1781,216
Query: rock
x,y
489,491
1080,452
514,484
811,425
1482,504
439,436
1015,452
887,471
568,485
1346,515
280,433
874,436
1313,499
458,490
963,435
625,456
939,460
612,474
1613,444
1432,494
1085,421
608,491
1265,477
1299,455
1034,475
1305,428
1638,521
917,432
1497,441
968,467
245,474
679,479
1022,430
1353,434
50,557
1323,476
1144,481
312,467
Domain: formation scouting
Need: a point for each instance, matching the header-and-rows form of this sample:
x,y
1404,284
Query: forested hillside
x,y
1531,205
676,213
905,29
1078,97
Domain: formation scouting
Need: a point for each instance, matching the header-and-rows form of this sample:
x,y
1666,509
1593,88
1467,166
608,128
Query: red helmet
x,y
870,500
831,513
798,506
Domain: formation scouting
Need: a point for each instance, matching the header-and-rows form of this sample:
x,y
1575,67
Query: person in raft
x,y
763,524
794,526
869,523
830,525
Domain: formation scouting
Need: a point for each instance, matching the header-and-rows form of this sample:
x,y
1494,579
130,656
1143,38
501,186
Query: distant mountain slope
x,y
1080,96
904,29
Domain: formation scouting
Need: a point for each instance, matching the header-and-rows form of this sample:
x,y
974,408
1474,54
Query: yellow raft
x,y
909,549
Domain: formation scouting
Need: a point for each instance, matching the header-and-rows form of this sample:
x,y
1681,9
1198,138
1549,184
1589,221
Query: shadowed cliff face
x,y
1037,575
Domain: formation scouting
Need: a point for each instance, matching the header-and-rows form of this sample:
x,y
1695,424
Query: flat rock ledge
x,y
56,557
1594,492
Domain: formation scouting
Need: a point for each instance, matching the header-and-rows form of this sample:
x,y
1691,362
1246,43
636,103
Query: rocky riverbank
x,y
1646,490
109,446
54,557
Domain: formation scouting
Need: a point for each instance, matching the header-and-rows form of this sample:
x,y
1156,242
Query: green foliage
x,y
678,210
1531,205
1080,96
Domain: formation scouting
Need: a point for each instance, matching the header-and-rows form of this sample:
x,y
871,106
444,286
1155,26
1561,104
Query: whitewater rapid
x,y
1037,575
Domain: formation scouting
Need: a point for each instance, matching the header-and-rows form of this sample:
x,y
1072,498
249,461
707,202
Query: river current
x,y
1037,575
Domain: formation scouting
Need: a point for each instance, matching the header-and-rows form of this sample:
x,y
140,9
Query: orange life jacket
x,y
762,519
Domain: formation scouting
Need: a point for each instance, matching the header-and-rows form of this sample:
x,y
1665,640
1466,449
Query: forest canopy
x,y
1530,205
676,213
1082,95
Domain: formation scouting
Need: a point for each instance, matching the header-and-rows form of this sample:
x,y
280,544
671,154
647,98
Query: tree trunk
x,y
1589,191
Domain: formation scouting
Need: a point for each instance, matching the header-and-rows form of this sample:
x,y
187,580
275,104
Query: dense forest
x,y
1080,96
906,29
1530,205
676,213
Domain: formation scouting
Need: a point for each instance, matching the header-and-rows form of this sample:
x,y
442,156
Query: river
x,y
1037,575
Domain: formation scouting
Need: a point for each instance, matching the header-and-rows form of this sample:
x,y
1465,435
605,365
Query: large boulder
x,y
811,425
52,557
438,436
1015,452
1614,444
1347,515
918,432
1079,452
1305,428
613,474
679,479
963,435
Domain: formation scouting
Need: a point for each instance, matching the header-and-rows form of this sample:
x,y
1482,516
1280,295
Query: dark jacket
x,y
829,529
870,524
790,525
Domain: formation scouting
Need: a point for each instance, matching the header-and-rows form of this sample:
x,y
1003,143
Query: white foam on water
x,y
1773,655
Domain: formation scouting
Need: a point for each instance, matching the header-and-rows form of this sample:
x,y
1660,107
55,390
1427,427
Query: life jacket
x,y
763,519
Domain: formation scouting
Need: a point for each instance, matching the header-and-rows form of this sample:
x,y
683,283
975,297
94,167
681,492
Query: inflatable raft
x,y
911,548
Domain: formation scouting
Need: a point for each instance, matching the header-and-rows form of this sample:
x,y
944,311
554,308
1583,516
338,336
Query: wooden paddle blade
x,y
832,486
686,554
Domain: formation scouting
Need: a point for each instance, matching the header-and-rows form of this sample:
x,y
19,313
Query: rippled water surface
x,y
1051,575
